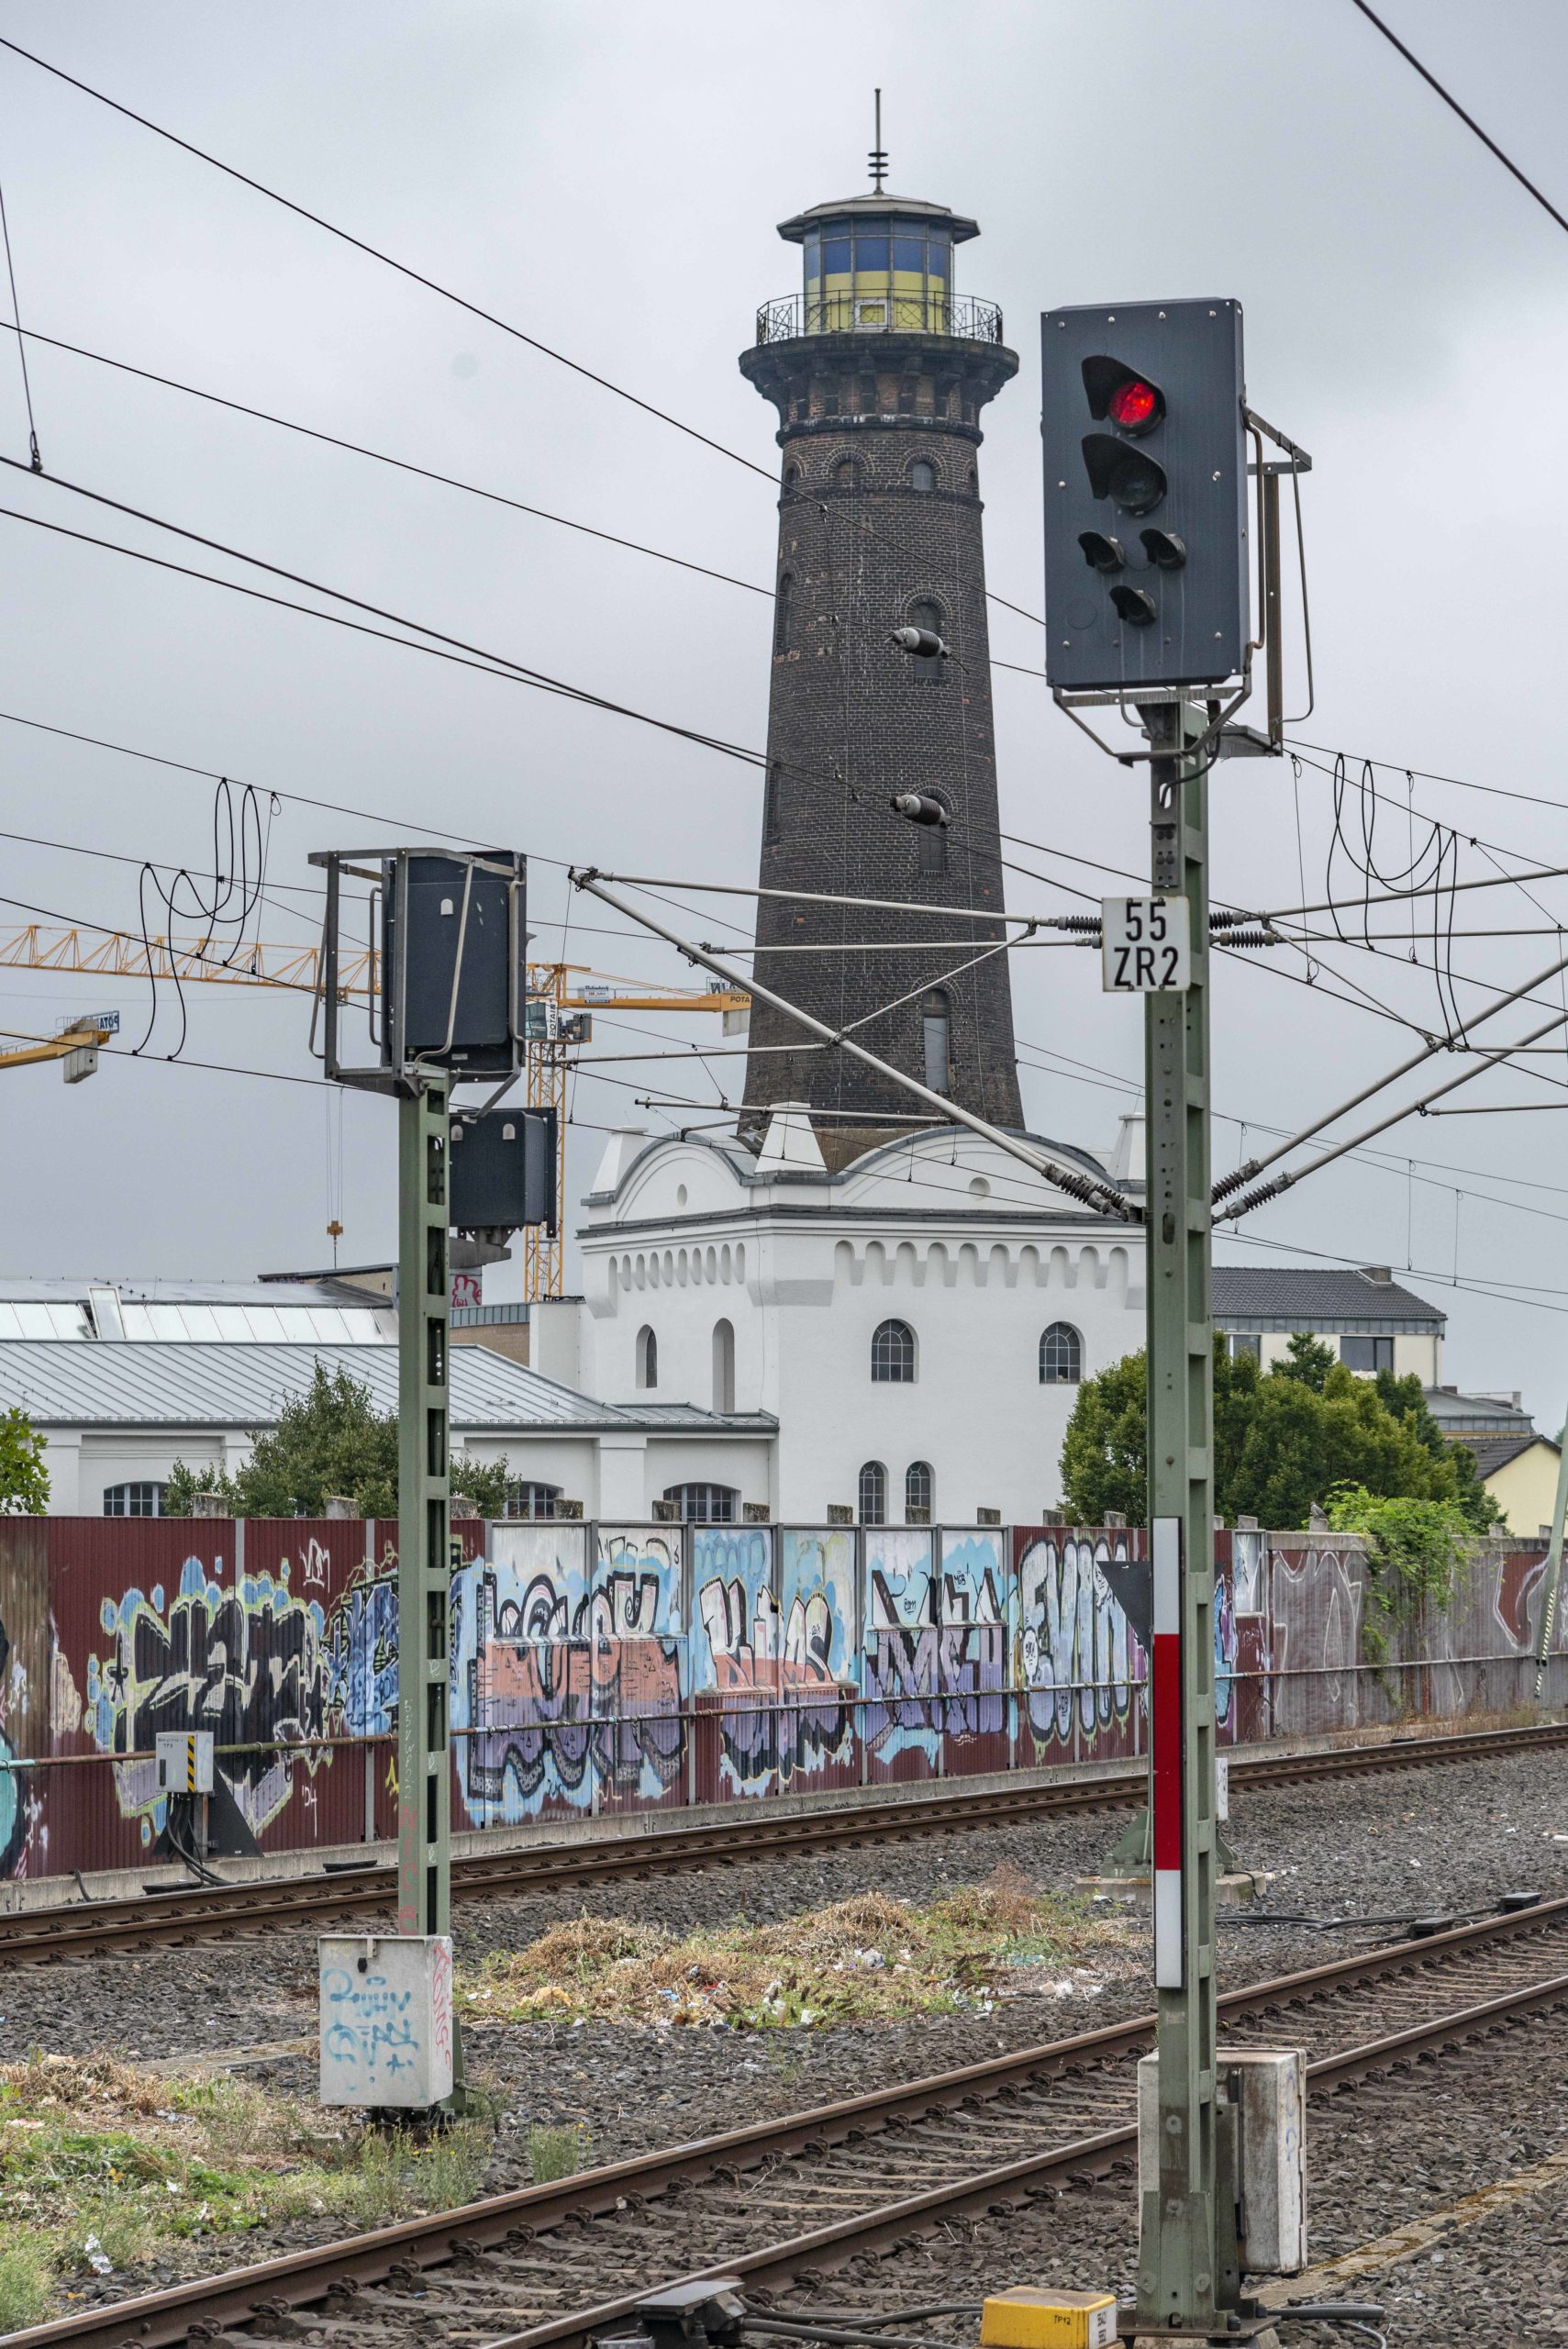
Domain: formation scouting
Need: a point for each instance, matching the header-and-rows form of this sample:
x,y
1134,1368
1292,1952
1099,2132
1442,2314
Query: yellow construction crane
x,y
563,997
76,1045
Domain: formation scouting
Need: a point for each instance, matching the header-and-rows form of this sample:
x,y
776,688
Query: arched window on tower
x,y
922,475
647,1357
892,1354
849,473
873,1494
724,1365
931,841
782,614
926,612
1061,1355
772,803
917,1483
936,1039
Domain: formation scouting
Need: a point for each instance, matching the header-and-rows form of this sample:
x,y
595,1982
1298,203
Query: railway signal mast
x,y
451,1009
1148,560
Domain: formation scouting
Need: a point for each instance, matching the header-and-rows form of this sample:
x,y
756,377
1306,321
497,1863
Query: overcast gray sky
x,y
608,176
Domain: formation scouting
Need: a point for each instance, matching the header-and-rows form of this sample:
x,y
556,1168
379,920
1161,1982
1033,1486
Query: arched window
x,y
783,599
931,841
773,803
647,1357
1061,1357
922,475
724,1365
892,1354
526,1499
926,612
849,474
704,1504
873,1495
140,1499
791,478
936,1039
918,1483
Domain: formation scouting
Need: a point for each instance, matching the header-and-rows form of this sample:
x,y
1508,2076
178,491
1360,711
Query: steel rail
x,y
34,1936
212,2305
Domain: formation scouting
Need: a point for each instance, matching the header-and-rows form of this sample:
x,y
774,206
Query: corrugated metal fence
x,y
601,1668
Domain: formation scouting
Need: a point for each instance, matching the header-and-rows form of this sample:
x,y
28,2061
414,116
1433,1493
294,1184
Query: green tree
x,y
1282,1439
1308,1359
331,1441
1407,1400
24,1479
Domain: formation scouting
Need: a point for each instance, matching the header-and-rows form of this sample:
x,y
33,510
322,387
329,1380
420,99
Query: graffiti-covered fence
x,y
598,1669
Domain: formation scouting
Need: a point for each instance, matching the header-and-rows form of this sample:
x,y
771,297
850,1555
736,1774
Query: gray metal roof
x,y
1281,1297
189,1385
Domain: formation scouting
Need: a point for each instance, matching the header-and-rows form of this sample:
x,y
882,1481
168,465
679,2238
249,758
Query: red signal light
x,y
1134,403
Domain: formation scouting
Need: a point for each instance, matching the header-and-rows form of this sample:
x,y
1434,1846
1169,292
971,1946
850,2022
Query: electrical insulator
x,y
923,642
919,808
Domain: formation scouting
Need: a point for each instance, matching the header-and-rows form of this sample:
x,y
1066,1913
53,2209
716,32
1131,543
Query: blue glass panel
x,y
909,252
836,256
813,256
871,252
937,264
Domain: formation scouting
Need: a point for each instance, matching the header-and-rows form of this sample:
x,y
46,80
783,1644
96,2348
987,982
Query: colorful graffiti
x,y
248,1663
567,1682
771,1644
1079,1659
631,1667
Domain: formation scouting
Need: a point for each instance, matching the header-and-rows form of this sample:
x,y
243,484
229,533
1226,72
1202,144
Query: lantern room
x,y
877,264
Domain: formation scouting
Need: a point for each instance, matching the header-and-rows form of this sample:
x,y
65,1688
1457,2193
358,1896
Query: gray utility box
x,y
185,1761
1146,537
503,1170
1272,2132
466,1015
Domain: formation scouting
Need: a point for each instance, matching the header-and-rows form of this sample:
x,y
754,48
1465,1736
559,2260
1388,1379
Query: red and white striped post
x,y
1166,1750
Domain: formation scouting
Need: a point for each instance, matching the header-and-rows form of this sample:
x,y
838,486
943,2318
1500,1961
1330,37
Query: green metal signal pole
x,y
424,1519
1187,2266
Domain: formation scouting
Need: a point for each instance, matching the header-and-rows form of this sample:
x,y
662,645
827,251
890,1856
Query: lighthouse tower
x,y
878,369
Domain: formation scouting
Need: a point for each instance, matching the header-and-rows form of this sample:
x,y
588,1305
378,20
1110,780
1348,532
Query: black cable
x,y
1458,782
387,260
1468,120
377,456
497,665
21,345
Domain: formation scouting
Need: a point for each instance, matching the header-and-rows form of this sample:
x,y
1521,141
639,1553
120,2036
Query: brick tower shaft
x,y
878,372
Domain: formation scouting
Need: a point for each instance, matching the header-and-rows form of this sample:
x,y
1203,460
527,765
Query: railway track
x,y
216,1911
548,2266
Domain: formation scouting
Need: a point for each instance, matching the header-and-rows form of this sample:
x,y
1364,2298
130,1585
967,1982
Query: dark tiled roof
x,y
1331,1298
1494,1451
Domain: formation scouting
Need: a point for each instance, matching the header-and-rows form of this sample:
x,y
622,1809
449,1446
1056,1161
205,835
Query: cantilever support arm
x,y
1073,1180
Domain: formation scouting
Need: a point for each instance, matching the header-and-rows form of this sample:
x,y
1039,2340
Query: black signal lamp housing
x,y
1102,553
1129,477
1165,549
1135,605
1121,393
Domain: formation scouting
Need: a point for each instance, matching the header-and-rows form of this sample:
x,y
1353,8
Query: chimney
x,y
1382,1273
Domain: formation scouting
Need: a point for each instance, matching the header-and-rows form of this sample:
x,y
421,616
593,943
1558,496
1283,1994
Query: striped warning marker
x,y
1165,1699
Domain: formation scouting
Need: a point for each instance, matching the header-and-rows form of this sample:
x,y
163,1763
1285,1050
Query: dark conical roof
x,y
860,206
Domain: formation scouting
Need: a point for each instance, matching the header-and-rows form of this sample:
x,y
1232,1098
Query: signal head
x,y
1163,548
1119,393
1129,477
1101,553
1134,606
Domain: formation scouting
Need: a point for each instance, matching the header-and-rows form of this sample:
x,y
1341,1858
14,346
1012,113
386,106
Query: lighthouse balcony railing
x,y
935,312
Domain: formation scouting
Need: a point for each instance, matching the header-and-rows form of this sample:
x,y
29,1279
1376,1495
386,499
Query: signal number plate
x,y
1147,948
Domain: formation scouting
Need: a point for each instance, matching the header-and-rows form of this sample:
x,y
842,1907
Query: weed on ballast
x,y
556,2153
107,2169
869,1958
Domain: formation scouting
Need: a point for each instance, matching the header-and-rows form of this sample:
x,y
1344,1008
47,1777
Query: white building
x,y
916,1324
125,1379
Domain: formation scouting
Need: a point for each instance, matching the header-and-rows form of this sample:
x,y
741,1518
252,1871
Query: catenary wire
x,y
1469,120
